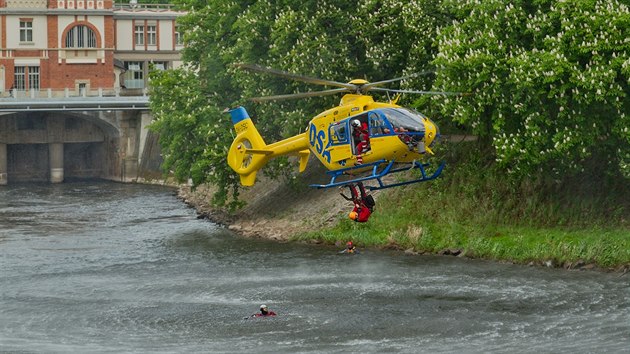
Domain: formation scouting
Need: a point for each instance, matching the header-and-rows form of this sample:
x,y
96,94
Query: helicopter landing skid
x,y
378,175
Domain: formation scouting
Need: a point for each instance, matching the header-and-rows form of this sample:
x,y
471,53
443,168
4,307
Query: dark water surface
x,y
115,268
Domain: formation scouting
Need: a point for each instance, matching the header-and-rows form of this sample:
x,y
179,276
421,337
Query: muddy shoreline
x,y
275,210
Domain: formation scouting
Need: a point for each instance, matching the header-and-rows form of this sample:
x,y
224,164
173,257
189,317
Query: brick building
x,y
53,48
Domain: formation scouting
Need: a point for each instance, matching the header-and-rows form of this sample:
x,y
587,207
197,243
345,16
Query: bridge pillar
x,y
3,165
130,140
55,154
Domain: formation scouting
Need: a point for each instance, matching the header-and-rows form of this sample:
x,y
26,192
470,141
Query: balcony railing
x,y
144,7
28,4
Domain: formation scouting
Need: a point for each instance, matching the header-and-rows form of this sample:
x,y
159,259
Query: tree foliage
x,y
549,78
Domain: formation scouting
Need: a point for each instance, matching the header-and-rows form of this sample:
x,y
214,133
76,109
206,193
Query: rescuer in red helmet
x,y
350,248
361,139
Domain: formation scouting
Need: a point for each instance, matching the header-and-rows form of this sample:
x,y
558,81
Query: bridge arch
x,y
40,146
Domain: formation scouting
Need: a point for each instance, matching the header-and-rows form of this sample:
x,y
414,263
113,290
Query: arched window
x,y
81,37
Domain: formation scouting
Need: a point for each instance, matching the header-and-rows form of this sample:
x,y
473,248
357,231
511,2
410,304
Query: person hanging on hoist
x,y
363,202
361,138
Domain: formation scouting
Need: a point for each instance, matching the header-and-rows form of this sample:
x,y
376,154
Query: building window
x,y
81,37
151,35
82,89
33,78
21,73
26,31
19,78
134,76
139,35
179,39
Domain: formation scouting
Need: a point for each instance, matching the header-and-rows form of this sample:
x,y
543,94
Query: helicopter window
x,y
402,118
378,124
338,133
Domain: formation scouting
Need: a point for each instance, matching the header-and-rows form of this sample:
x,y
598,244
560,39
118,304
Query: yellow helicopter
x,y
359,140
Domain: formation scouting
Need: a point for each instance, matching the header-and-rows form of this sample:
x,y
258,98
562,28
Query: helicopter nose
x,y
430,132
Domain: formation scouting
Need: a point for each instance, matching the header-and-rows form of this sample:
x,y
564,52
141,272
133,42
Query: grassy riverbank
x,y
578,221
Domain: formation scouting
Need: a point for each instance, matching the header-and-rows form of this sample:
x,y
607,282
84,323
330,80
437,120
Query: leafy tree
x,y
188,103
192,142
550,80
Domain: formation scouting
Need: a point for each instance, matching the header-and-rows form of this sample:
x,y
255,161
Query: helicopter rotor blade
x,y
443,93
284,74
299,95
370,85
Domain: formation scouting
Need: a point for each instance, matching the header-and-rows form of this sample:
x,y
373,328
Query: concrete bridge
x,y
66,138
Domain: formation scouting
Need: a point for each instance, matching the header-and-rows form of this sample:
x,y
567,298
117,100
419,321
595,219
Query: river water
x,y
120,268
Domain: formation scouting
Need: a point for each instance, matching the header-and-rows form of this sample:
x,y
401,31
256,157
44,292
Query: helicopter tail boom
x,y
249,152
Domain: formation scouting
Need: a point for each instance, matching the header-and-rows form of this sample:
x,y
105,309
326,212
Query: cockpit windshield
x,y
410,126
404,118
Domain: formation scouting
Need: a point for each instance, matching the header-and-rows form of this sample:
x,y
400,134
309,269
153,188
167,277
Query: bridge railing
x,y
71,92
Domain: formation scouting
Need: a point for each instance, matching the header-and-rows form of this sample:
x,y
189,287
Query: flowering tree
x,y
550,80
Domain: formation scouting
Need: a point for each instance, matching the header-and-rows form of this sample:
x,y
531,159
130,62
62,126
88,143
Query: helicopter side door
x,y
339,141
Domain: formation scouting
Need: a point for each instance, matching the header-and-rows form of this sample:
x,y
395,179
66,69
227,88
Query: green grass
x,y
485,214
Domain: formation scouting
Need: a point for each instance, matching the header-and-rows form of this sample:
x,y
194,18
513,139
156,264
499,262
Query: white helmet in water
x,y
263,307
